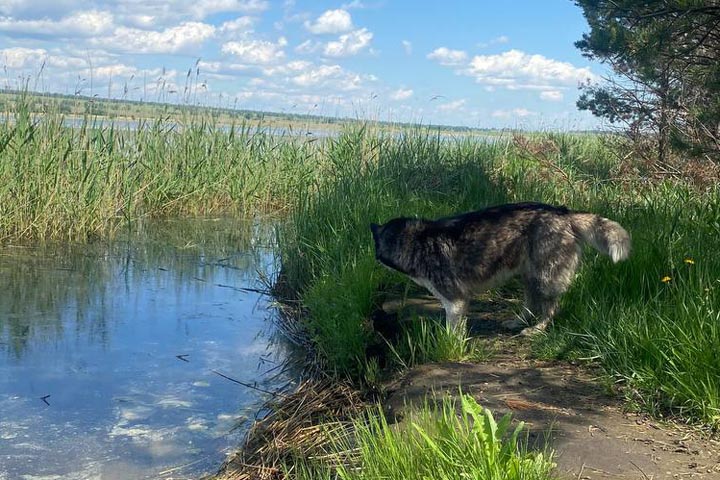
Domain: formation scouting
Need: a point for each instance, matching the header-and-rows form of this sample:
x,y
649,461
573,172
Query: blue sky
x,y
482,64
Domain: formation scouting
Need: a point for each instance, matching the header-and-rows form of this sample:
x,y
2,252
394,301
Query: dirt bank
x,y
566,407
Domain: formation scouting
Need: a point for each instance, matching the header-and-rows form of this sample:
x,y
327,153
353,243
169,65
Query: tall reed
x,y
89,180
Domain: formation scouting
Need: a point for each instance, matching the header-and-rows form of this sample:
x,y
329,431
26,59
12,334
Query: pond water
x,y
110,354
298,130
124,124
293,130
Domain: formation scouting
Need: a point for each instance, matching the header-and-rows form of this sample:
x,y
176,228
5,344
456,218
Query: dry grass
x,y
303,423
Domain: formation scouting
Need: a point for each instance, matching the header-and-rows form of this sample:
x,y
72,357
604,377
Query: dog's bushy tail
x,y
602,234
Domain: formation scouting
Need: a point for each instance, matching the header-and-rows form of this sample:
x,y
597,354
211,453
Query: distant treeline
x,y
38,102
82,104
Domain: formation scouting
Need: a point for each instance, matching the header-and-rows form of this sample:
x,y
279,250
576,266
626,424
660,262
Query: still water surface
x,y
107,352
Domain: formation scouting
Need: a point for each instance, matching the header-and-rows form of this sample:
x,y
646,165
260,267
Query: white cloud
x,y
80,24
204,8
318,75
446,56
516,112
20,57
495,41
227,70
452,106
407,45
141,21
37,8
551,95
401,94
34,58
184,37
136,13
290,68
296,65
308,46
239,27
332,21
8,7
66,62
349,44
332,77
256,52
224,70
213,67
515,70
109,71
519,70
353,4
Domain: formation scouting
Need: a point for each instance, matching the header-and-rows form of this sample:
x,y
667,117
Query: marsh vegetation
x,y
651,323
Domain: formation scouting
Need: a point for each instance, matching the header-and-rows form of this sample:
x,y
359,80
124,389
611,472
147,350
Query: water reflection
x,y
107,351
43,289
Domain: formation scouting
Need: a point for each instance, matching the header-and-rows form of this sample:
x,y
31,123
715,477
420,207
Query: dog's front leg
x,y
454,309
455,315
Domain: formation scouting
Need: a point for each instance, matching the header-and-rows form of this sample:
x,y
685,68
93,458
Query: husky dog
x,y
456,257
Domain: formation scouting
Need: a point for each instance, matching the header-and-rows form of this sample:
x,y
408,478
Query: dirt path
x,y
563,406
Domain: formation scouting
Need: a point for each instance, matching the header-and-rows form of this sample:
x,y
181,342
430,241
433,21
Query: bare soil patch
x,y
566,407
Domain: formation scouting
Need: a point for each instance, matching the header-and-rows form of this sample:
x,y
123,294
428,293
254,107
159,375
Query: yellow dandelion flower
x,y
689,261
665,279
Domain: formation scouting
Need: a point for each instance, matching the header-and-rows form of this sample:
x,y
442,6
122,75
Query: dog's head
x,y
389,239
377,239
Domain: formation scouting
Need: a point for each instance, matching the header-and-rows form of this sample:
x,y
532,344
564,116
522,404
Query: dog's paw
x,y
513,324
532,331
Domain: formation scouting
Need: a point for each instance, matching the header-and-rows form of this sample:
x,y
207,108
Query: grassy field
x,y
652,323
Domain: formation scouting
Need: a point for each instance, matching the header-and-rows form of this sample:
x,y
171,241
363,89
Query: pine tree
x,y
665,56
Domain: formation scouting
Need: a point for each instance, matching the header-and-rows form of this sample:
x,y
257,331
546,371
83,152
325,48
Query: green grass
x,y
658,340
88,182
325,246
425,340
433,442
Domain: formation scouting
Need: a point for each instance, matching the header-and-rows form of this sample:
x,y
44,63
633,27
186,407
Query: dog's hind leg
x,y
551,276
535,312
539,307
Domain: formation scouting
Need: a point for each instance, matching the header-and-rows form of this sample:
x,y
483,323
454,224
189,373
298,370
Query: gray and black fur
x,y
457,257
